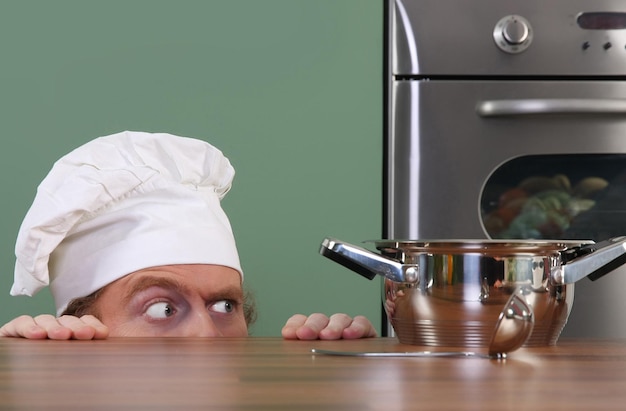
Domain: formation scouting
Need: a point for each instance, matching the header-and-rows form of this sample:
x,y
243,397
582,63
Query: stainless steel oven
x,y
507,119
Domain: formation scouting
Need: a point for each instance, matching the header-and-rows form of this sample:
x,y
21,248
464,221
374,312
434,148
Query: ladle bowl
x,y
514,326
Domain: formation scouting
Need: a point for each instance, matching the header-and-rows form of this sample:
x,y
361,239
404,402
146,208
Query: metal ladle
x,y
514,326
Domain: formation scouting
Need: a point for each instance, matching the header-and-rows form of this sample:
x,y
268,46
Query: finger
x,y
81,329
360,327
54,329
312,327
25,327
335,327
101,330
292,325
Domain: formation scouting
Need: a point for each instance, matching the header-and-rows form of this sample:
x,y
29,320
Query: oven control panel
x,y
507,38
513,34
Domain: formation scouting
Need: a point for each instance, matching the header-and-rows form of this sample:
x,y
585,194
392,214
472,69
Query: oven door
x,y
447,139
460,150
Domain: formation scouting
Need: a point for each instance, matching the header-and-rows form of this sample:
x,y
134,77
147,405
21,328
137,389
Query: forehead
x,y
185,278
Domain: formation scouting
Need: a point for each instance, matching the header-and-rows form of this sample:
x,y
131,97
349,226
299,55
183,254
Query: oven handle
x,y
525,107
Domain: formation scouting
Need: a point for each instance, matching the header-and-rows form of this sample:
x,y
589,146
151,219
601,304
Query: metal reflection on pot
x,y
463,285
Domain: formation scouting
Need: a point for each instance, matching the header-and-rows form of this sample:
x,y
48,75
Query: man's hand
x,y
319,326
65,327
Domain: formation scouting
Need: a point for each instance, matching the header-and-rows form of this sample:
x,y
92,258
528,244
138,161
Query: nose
x,y
201,324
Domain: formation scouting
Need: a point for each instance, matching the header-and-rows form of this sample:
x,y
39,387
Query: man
x,y
128,233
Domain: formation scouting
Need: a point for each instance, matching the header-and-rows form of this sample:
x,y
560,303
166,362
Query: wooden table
x,y
271,374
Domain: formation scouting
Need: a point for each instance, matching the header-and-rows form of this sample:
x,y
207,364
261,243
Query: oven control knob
x,y
513,34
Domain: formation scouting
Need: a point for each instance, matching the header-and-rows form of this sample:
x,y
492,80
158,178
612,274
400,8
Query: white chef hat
x,y
122,203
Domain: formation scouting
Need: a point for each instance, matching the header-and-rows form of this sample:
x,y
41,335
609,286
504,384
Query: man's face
x,y
195,300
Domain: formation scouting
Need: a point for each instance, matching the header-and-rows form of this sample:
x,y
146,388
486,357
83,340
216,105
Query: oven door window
x,y
580,197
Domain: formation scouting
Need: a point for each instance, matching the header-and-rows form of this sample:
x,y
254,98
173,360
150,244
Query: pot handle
x,y
596,261
367,263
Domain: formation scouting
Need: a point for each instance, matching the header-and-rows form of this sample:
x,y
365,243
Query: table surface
x,y
273,374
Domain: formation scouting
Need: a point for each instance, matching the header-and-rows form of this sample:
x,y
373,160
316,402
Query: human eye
x,y
160,310
224,306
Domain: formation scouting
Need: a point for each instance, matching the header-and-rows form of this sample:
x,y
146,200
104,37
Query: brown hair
x,y
87,305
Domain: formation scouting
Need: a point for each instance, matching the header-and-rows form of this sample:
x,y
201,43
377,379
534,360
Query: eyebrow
x,y
145,282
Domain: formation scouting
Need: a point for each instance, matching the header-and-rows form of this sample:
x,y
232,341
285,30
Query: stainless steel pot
x,y
451,292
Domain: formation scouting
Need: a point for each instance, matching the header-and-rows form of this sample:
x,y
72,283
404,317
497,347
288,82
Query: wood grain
x,y
273,374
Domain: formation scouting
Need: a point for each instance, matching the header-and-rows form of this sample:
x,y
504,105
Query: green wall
x,y
290,90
